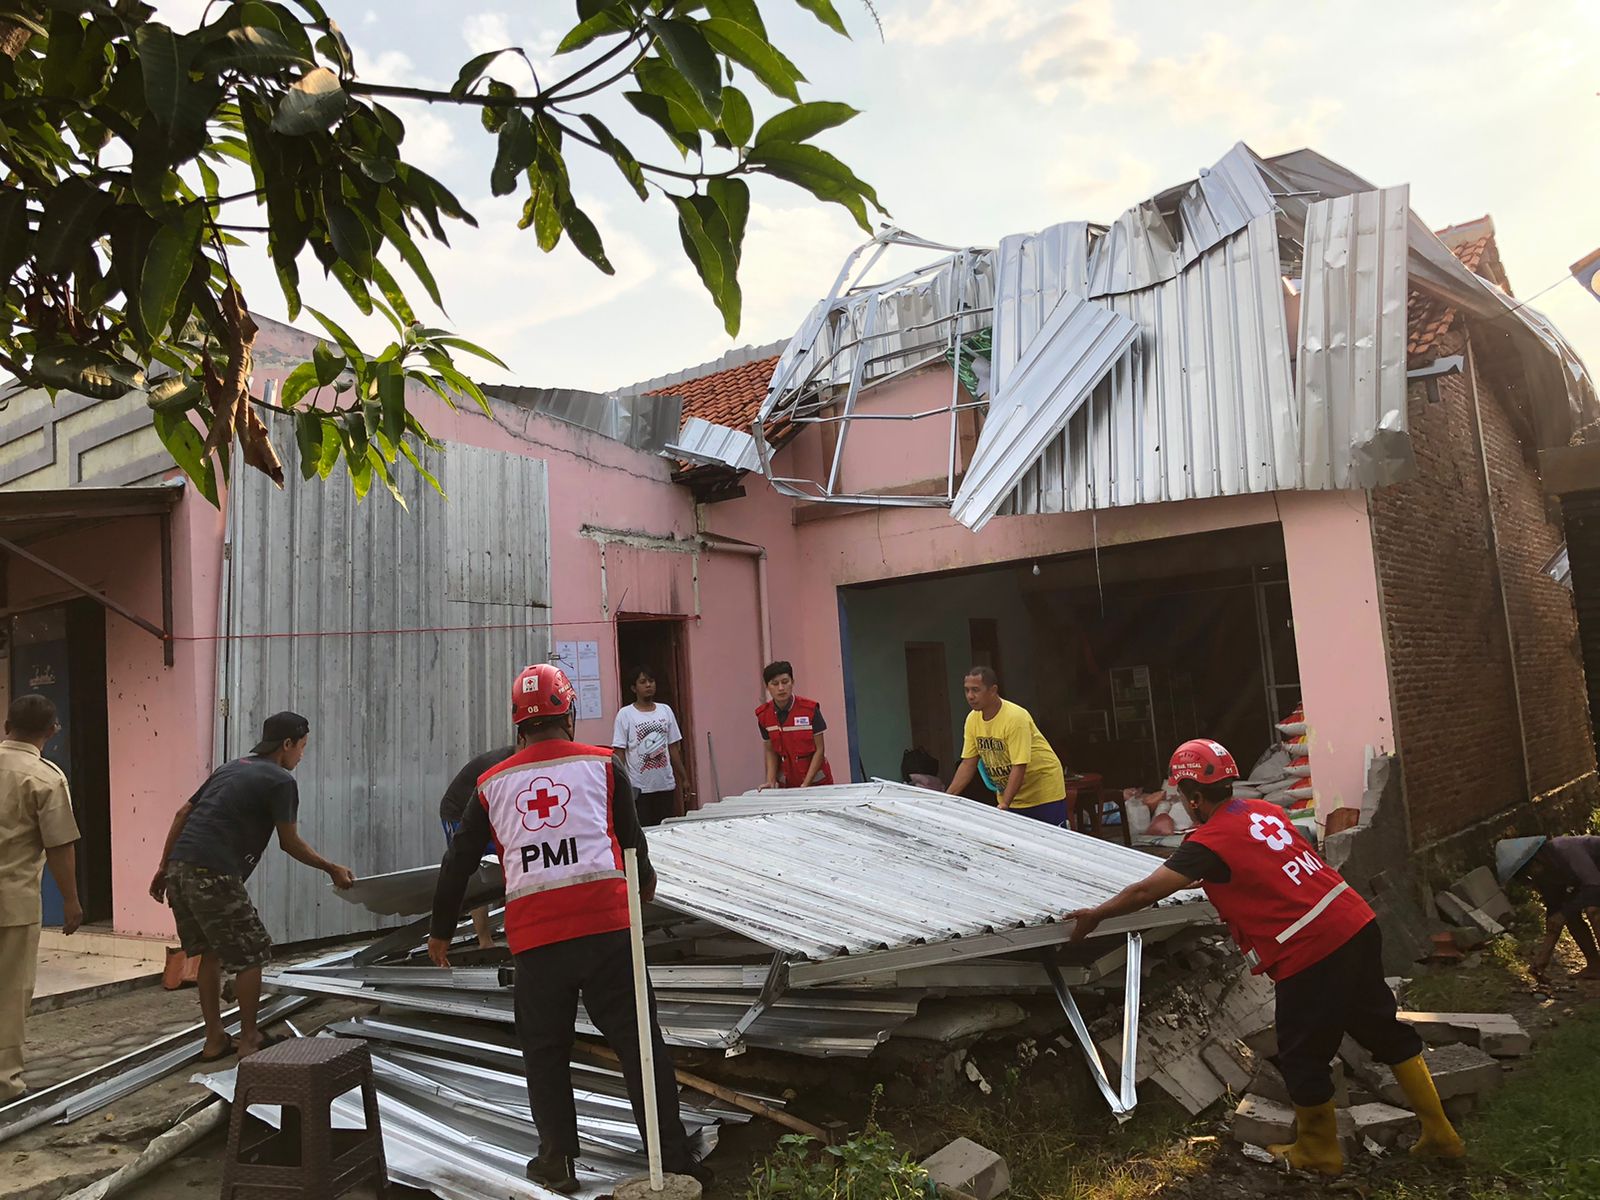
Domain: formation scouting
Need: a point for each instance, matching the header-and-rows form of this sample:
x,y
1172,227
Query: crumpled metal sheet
x,y
645,422
410,893
705,444
1032,272
851,869
464,1132
1350,373
1068,357
1204,404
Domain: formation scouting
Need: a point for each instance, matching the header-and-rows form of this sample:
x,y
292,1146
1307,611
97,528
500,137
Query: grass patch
x,y
1500,975
1064,1146
1538,1137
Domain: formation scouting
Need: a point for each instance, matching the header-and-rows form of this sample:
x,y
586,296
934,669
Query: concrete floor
x,y
62,972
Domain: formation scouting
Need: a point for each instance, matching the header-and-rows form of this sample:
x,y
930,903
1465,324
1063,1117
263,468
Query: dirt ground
x,y
1041,1113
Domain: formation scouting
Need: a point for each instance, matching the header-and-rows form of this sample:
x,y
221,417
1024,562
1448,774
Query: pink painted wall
x,y
159,718
1332,581
880,455
1338,637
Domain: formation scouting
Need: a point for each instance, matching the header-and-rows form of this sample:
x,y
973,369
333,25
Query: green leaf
x,y
302,379
401,240
494,115
166,74
73,220
740,12
472,70
188,450
354,286
585,236
543,209
805,121
392,400
250,47
16,240
709,243
392,293
732,198
93,373
327,363
824,11
820,173
515,153
457,343
689,112
755,53
623,157
358,360
167,267
351,238
308,438
657,110
332,446
312,105
693,56
603,23
411,457
738,122
175,393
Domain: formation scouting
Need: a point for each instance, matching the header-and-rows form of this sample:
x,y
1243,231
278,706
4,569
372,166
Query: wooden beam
x,y
78,585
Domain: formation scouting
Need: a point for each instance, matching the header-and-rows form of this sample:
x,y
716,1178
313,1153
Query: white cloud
x,y
486,31
943,22
182,15
1082,47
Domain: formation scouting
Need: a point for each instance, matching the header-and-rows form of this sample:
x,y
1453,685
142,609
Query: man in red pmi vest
x,y
793,728
559,816
1298,921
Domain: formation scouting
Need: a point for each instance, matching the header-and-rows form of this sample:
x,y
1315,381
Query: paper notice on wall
x,y
565,656
589,661
589,708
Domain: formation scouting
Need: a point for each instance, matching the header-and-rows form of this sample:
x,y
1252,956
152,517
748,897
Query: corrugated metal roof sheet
x,y
1350,373
856,868
1032,272
1204,406
710,445
1063,363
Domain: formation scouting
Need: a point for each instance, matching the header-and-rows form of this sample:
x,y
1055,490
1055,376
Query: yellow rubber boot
x,y
1439,1138
1316,1141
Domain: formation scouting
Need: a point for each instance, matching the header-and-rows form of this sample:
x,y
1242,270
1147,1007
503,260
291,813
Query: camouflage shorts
x,y
215,916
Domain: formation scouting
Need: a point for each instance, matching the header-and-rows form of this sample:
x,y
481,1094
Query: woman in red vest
x,y
792,727
1297,920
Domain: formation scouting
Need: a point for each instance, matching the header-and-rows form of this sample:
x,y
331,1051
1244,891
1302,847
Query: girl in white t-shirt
x,y
647,745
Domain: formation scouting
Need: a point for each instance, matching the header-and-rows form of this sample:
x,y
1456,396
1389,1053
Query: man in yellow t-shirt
x,y
1018,761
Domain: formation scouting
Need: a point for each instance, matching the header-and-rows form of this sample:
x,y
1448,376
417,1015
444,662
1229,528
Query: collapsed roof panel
x,y
707,445
1066,359
1350,377
857,876
1032,272
1204,405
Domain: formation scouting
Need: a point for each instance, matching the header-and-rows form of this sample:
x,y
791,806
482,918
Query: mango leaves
x,y
129,141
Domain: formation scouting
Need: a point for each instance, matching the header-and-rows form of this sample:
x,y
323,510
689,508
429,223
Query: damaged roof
x,y
730,397
1430,320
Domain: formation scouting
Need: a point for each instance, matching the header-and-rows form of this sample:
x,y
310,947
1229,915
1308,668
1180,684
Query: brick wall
x,y
1455,710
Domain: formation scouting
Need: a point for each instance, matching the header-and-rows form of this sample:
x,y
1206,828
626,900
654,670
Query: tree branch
x,y
691,177
555,89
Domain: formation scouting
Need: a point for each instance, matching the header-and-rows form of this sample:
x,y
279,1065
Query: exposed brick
x,y
1455,708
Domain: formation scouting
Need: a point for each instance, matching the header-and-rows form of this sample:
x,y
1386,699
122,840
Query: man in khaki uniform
x,y
36,826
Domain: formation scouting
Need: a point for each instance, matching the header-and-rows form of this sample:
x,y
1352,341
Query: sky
x,y
987,117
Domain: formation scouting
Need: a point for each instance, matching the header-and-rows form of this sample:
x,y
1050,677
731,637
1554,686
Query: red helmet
x,y
1203,761
542,690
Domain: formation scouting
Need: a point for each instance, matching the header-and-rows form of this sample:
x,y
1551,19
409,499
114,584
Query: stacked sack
x,y
1282,776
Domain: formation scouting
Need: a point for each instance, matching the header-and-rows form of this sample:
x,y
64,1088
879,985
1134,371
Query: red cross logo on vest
x,y
543,803
1271,830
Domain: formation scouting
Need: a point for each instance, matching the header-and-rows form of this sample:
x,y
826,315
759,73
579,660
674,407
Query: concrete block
x,y
1230,1063
968,1167
1267,1083
1262,1122
1481,889
1457,1070
1468,937
1384,1123
1258,1121
1499,1034
1458,912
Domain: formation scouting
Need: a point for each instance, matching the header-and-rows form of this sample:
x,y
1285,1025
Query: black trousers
x,y
549,981
655,807
1342,994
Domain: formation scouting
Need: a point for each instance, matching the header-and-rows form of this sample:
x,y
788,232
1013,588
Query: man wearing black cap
x,y
214,844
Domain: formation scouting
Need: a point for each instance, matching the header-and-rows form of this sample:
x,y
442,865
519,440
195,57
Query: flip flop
x,y
230,1049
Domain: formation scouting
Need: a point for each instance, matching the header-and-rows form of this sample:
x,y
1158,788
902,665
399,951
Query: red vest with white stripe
x,y
1285,906
793,740
551,809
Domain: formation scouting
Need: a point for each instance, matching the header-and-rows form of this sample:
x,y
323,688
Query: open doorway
x,y
60,652
661,645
